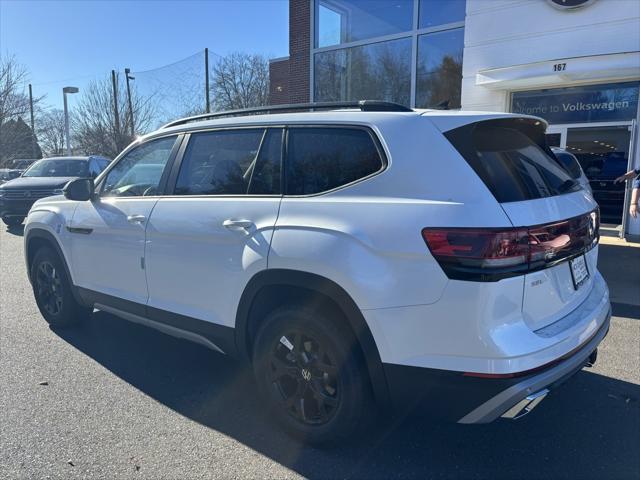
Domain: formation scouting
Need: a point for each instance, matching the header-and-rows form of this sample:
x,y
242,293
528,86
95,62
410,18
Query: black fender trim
x,y
39,233
315,284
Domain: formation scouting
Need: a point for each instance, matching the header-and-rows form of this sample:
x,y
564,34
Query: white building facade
x,y
574,62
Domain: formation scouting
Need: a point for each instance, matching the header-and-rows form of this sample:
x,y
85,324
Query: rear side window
x,y
231,162
507,155
321,159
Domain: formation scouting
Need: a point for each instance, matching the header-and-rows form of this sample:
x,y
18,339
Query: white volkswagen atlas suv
x,y
355,256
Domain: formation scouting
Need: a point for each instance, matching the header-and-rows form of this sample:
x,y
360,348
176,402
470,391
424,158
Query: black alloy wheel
x,y
49,289
305,378
309,369
53,291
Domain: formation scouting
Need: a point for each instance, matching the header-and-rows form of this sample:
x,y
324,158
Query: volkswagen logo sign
x,y
27,194
306,374
569,4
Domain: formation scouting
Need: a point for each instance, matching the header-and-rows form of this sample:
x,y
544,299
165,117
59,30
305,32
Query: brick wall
x,y
279,81
299,47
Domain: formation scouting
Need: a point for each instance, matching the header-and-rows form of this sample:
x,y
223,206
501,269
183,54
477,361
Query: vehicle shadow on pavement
x,y
590,428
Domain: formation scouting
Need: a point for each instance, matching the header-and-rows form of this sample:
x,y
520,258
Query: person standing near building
x,y
635,193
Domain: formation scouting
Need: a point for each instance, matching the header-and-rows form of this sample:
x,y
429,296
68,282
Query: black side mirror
x,y
80,189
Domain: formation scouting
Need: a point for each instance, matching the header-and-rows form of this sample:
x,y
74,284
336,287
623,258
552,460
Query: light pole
x,y
127,71
66,90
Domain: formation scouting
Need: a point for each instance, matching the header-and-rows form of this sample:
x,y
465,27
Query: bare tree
x,y
13,101
50,130
94,126
240,80
14,107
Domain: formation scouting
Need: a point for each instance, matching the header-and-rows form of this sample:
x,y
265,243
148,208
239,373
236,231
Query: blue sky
x,y
70,42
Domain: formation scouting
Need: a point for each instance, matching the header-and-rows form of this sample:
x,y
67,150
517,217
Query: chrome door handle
x,y
136,218
237,225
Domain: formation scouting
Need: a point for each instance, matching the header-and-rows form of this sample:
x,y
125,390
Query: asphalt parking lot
x,y
122,401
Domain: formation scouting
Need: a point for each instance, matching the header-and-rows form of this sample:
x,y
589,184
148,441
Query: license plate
x,y
579,271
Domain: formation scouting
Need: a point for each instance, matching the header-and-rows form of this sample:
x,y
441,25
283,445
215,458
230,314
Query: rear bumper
x,y
545,380
467,399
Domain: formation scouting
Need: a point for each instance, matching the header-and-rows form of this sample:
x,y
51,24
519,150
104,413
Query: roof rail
x,y
363,105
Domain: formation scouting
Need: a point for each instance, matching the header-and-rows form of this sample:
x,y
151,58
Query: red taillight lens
x,y
492,254
466,253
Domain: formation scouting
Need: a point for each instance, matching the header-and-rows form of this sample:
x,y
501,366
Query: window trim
x,y
162,186
372,134
175,170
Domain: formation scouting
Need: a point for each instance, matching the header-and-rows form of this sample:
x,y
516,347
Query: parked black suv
x,y
44,178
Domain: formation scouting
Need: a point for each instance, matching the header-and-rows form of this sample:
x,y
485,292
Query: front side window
x,y
231,162
139,172
321,159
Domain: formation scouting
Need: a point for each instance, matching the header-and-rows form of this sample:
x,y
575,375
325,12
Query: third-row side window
x,y
321,159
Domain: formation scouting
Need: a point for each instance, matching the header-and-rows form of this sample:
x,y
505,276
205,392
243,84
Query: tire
x,y
12,221
52,291
311,375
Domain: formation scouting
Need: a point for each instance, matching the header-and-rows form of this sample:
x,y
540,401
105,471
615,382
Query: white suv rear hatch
x,y
538,194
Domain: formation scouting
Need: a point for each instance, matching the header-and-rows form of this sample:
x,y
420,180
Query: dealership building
x,y
575,63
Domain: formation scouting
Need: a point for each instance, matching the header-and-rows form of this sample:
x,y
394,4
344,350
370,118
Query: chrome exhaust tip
x,y
525,405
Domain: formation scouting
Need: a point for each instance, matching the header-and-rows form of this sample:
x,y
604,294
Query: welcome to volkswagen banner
x,y
593,103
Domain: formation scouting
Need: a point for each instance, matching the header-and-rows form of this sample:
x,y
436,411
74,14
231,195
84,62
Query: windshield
x,y
58,168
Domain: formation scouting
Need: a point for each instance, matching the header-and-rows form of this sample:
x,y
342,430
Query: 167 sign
x,y
570,4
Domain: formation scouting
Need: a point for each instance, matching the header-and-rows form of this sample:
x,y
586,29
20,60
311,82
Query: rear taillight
x,y
492,254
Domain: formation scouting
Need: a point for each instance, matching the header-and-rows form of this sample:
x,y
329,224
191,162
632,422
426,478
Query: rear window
x,y
321,159
511,158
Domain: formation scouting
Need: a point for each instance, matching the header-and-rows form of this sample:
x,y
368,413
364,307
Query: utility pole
x,y
115,108
33,129
127,71
206,80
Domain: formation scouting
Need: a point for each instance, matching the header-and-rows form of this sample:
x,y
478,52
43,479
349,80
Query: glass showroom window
x,y
343,21
434,13
439,74
378,71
